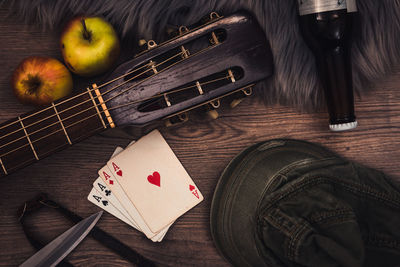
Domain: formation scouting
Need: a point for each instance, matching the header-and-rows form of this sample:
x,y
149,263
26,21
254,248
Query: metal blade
x,y
59,248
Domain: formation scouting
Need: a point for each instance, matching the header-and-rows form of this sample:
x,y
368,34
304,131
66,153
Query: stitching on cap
x,y
318,217
378,240
294,240
316,180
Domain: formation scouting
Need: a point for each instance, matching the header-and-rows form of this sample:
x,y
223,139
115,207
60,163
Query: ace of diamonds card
x,y
155,181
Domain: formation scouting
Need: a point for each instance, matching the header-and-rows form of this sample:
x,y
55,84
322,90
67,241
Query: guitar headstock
x,y
199,66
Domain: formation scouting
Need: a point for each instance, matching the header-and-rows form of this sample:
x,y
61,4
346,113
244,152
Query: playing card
x,y
96,198
129,207
108,194
102,188
154,181
99,200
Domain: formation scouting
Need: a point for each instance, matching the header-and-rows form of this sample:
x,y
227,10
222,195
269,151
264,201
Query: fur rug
x,y
375,52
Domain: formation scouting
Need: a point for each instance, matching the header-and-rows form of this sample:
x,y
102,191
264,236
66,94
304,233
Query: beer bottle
x,y
326,26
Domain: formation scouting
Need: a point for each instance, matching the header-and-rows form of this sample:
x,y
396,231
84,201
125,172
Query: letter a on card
x,y
108,178
117,170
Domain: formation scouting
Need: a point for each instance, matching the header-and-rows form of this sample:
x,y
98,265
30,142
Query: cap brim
x,y
241,186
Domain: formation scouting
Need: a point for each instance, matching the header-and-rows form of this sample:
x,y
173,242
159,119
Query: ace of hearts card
x,y
155,181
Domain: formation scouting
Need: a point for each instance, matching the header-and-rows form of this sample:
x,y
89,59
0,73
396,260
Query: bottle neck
x,y
328,34
307,7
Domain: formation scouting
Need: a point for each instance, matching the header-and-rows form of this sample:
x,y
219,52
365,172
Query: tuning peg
x,y
213,114
142,42
183,117
214,15
183,30
211,109
236,102
215,103
151,44
176,120
169,123
171,30
246,92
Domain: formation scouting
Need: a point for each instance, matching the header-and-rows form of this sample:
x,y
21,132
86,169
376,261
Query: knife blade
x,y
59,248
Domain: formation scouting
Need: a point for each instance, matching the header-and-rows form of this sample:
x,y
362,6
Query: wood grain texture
x,y
204,148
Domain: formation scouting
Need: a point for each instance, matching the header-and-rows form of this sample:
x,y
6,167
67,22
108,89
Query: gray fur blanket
x,y
376,49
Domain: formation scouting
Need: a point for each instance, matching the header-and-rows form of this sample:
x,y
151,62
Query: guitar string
x,y
108,82
100,86
128,89
73,97
96,114
54,132
123,105
28,161
81,103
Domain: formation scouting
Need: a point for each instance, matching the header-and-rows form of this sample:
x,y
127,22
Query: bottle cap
x,y
343,126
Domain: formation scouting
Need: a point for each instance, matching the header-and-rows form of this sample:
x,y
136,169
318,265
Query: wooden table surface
x,y
204,148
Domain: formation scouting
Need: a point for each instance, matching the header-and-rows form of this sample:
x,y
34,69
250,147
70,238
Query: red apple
x,y
41,80
89,45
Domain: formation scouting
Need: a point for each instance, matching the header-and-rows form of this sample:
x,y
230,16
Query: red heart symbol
x,y
154,179
119,173
191,187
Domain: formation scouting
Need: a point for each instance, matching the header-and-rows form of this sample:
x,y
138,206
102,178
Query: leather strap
x,y
107,240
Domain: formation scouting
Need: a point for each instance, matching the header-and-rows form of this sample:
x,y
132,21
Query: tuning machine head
x,y
150,44
144,45
211,109
239,96
213,114
183,30
177,119
214,15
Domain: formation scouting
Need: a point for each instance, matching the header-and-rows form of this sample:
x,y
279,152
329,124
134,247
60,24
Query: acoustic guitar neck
x,y
35,135
223,57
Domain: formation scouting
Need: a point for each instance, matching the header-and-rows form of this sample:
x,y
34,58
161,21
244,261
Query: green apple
x,y
41,80
89,45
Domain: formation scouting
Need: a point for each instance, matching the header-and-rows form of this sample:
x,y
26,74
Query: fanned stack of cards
x,y
145,186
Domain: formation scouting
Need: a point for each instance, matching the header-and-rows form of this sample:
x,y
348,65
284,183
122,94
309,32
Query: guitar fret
x,y
4,167
103,106
62,124
97,109
27,137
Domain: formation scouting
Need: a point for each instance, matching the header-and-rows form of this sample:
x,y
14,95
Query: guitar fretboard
x,y
33,136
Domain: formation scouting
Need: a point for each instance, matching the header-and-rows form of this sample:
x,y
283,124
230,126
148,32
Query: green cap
x,y
292,203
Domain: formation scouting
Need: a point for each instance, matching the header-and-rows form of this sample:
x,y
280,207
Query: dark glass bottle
x,y
327,26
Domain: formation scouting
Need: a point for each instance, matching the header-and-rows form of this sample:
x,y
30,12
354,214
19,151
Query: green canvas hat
x,y
293,203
